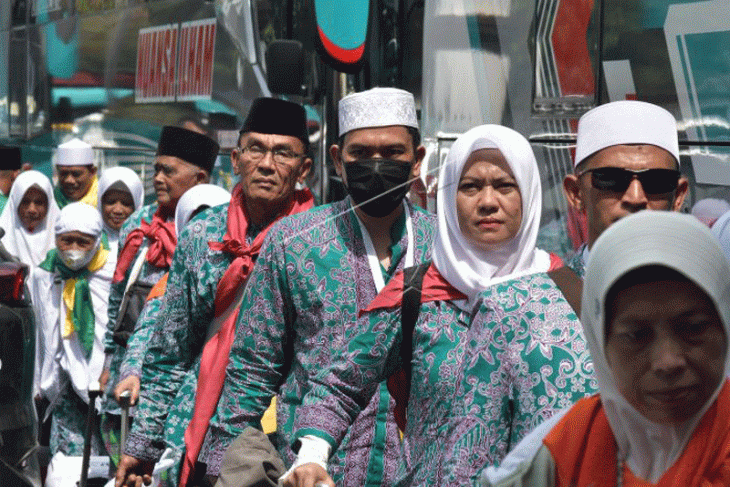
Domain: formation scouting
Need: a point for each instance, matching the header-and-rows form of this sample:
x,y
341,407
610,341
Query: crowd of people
x,y
264,340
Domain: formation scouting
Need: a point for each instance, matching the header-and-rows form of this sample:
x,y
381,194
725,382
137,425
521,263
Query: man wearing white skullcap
x,y
626,160
315,272
70,292
76,170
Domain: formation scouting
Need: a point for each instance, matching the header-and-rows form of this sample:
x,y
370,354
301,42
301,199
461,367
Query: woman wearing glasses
x,y
489,208
656,318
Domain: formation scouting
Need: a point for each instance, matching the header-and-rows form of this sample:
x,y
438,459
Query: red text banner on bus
x,y
175,62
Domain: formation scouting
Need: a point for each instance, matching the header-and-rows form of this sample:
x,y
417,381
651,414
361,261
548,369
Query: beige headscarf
x,y
681,243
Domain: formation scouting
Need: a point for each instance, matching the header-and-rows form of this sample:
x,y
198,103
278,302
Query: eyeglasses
x,y
281,156
653,181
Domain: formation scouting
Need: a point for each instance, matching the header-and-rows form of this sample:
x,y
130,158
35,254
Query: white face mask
x,y
76,259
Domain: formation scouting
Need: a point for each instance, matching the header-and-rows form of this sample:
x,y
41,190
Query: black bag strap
x,y
570,284
410,307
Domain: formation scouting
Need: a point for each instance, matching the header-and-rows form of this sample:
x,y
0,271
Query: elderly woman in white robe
x,y
70,292
28,218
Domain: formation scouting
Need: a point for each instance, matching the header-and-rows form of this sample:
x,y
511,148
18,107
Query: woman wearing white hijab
x,y
125,373
489,208
120,194
197,199
70,293
28,218
656,316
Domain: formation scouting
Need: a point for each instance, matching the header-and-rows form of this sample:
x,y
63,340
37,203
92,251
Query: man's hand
x,y
307,475
104,378
130,384
133,472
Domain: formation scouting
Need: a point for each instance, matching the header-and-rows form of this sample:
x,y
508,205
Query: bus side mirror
x,y
285,67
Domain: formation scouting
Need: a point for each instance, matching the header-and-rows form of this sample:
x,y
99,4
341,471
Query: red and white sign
x,y
175,62
197,47
156,64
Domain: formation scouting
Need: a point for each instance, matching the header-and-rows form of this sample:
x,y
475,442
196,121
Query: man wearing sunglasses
x,y
626,160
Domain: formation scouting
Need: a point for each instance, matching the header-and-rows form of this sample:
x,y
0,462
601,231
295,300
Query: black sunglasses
x,y
654,181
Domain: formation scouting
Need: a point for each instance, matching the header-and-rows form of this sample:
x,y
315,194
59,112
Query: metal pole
x,y
124,402
94,392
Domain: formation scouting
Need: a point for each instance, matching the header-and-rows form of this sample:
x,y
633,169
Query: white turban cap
x,y
626,122
377,107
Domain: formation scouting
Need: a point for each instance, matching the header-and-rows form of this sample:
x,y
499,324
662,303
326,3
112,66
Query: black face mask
x,y
385,180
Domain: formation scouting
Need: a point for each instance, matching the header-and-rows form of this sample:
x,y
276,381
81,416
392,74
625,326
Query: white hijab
x,y
467,267
80,217
676,241
197,196
30,247
123,179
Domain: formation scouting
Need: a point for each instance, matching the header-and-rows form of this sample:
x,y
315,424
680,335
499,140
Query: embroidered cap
x,y
377,107
626,122
197,149
75,152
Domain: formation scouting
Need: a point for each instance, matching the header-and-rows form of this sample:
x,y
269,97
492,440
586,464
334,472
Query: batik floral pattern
x,y
172,356
299,309
481,379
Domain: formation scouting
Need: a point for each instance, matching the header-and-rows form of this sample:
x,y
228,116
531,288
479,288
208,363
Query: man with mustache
x,y
315,272
191,337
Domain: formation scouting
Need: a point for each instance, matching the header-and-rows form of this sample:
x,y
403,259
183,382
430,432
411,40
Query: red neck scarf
x,y
161,235
584,449
215,352
435,288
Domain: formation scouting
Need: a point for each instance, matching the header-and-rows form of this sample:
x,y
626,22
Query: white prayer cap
x,y
377,107
124,179
626,122
708,210
197,196
79,217
75,152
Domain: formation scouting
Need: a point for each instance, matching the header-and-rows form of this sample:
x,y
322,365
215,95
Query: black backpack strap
x,y
410,307
570,284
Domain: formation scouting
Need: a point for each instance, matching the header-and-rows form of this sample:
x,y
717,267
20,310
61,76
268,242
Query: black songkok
x,y
279,117
195,148
10,158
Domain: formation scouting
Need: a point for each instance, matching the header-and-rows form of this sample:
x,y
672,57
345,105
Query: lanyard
x,y
373,260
